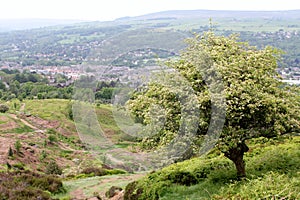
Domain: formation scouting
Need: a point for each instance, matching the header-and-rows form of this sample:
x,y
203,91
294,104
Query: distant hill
x,y
179,14
142,40
22,24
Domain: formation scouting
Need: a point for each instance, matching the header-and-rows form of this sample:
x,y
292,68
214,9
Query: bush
x,y
96,171
26,185
3,108
18,166
18,146
182,178
115,171
53,168
10,152
113,190
132,192
52,139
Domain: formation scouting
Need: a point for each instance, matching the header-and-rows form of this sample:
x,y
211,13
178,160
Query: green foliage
x,y
33,86
105,93
53,168
22,129
96,171
43,155
18,166
69,111
255,104
65,153
164,104
272,185
3,108
52,139
115,171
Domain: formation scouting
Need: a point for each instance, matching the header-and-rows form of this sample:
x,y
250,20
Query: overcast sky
x,y
111,9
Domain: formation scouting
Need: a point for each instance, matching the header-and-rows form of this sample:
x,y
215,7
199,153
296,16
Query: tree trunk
x,y
240,167
236,155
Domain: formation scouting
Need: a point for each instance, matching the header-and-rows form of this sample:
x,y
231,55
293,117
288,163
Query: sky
x,y
105,10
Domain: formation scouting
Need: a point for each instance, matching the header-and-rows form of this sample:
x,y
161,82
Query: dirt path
x,y
25,122
77,195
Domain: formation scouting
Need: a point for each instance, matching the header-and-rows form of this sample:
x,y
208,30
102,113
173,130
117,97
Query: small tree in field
x,y
257,102
18,146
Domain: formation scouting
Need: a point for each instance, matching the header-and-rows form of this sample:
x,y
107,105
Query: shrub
x,y
182,178
52,138
115,171
18,146
3,108
26,185
132,192
10,152
53,168
96,171
19,166
113,190
43,155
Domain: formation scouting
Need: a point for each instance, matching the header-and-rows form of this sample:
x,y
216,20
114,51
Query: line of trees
x,y
26,85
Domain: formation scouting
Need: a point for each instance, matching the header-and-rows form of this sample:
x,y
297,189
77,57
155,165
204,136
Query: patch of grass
x,y
65,153
19,130
49,109
107,121
122,145
272,185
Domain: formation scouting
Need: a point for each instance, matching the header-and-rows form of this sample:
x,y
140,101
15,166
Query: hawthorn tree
x,y
257,103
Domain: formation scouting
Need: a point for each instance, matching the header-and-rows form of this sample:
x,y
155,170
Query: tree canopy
x,y
246,85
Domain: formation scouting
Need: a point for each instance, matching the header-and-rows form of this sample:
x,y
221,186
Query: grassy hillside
x,y
273,173
36,133
45,133
45,126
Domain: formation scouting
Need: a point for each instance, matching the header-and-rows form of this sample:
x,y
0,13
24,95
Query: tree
x,y
10,152
257,103
105,93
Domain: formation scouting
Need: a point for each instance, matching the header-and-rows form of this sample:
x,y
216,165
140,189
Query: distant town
x,y
73,73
